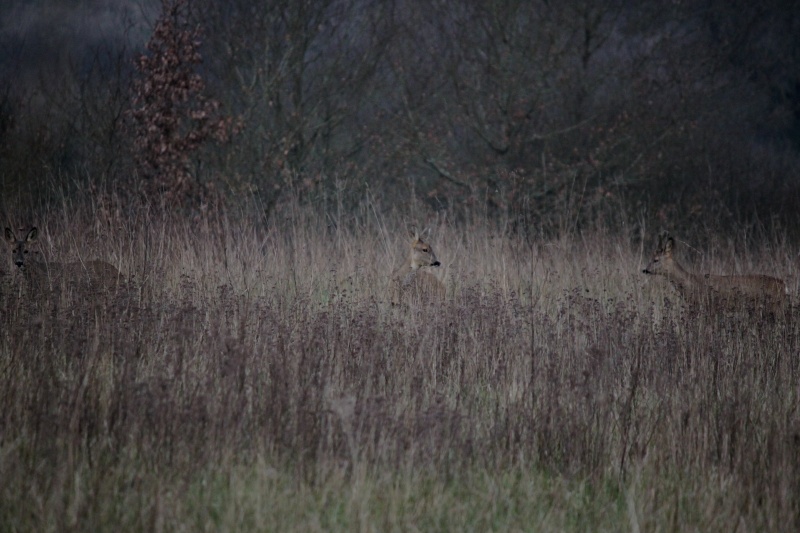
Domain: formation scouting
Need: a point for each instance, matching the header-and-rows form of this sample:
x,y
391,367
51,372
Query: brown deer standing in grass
x,y
415,280
728,291
44,276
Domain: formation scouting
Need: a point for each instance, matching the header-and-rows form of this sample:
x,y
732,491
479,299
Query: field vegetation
x,y
253,376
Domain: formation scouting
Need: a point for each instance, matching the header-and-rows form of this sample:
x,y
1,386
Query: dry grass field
x,y
254,377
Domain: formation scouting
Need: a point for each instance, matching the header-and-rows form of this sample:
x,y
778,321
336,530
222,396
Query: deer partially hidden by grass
x,y
416,280
731,292
86,276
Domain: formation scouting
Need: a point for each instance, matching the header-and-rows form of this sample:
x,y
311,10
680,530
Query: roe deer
x,y
415,280
44,276
730,291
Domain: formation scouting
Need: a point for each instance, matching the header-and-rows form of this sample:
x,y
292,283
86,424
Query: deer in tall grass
x,y
725,291
416,280
43,276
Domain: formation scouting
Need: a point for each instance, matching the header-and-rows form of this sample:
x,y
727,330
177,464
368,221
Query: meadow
x,y
251,376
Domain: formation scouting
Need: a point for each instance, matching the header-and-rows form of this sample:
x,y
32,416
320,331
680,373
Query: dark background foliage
x,y
682,114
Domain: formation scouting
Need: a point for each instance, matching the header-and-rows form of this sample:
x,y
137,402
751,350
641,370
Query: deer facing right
x,y
731,291
415,280
44,276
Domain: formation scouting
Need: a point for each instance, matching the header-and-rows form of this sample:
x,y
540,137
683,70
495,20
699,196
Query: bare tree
x,y
507,95
301,74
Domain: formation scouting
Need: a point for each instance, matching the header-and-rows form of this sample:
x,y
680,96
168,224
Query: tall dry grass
x,y
254,377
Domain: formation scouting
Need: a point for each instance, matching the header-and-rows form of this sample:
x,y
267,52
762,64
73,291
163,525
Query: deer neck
x,y
682,278
35,271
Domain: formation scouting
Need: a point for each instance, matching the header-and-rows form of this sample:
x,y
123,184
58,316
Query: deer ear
x,y
413,233
669,245
32,234
10,235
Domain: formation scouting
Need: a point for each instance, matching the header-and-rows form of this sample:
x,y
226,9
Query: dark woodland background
x,y
675,114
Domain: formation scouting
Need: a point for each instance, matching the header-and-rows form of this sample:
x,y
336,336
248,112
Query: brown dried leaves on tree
x,y
172,116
